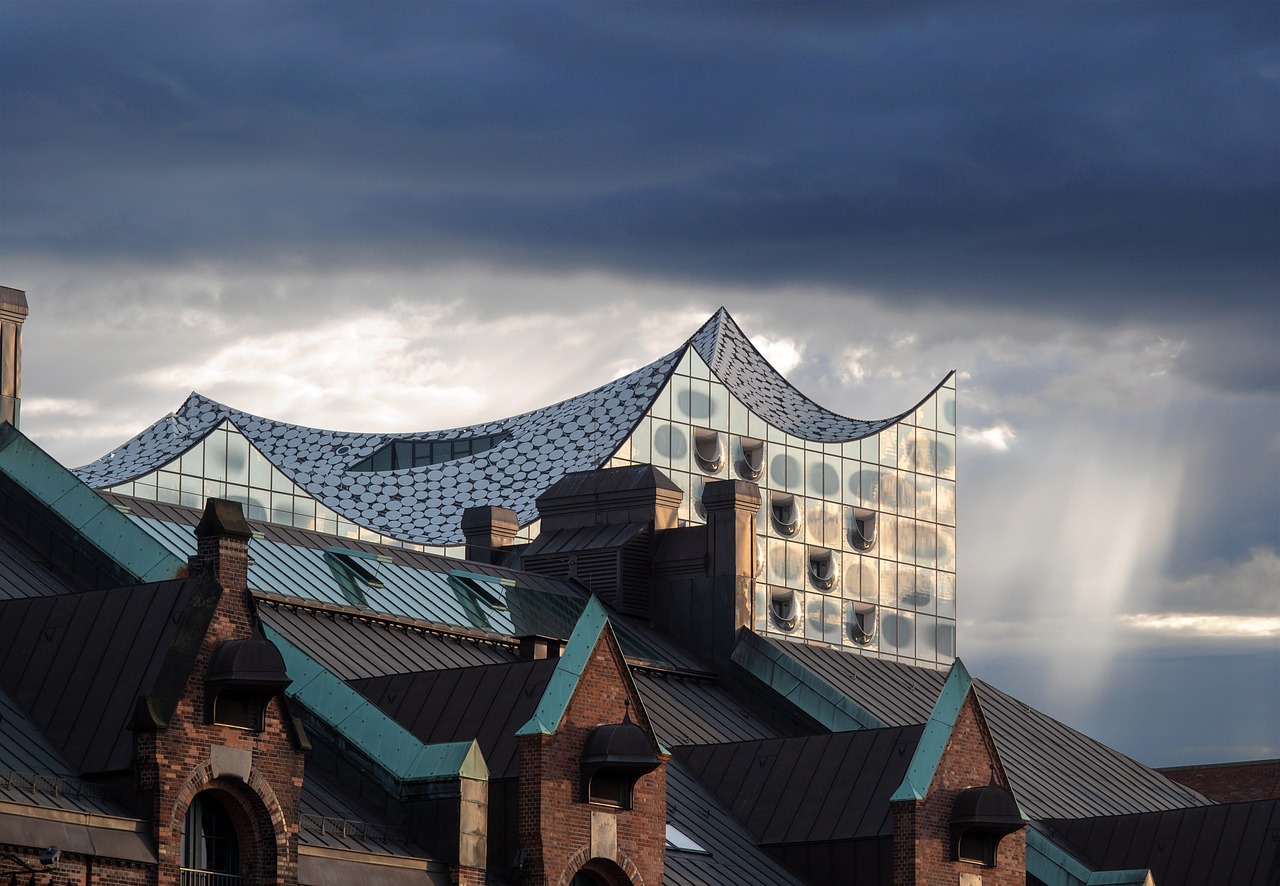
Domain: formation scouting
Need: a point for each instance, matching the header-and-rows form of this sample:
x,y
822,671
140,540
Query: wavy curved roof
x,y
424,504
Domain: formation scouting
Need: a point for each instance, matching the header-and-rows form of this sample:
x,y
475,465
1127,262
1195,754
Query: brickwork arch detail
x,y
619,871
254,808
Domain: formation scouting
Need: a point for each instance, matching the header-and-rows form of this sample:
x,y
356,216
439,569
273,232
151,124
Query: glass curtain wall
x,y
857,539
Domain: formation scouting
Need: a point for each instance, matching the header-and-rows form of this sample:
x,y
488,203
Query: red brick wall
x,y
555,828
1231,782
922,852
173,764
72,870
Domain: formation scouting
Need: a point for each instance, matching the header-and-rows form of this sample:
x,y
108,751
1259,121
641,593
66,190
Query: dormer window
x,y
751,465
980,819
708,450
865,622
480,595
400,454
243,676
785,513
862,529
354,573
782,606
822,568
614,758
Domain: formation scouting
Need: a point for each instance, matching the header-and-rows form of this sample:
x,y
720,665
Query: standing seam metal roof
x,y
1055,771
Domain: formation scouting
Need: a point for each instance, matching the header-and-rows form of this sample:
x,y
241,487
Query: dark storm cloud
x,y
1041,156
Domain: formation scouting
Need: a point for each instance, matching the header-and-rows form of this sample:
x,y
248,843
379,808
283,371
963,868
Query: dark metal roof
x,y
487,703
77,664
289,563
353,643
331,817
585,538
1055,771
810,789
1234,844
696,710
35,773
731,858
25,573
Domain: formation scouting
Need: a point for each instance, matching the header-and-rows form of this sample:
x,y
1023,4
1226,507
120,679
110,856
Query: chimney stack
x,y
488,531
13,310
222,551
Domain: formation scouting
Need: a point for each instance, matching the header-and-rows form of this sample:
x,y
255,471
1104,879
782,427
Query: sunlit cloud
x,y
1199,624
51,406
995,438
784,354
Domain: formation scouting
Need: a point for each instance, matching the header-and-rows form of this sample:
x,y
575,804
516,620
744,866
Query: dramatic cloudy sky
x,y
407,217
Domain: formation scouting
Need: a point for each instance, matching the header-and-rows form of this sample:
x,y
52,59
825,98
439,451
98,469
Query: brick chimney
x,y
13,311
489,531
222,550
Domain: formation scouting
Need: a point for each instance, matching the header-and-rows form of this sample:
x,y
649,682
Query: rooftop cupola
x,y
980,818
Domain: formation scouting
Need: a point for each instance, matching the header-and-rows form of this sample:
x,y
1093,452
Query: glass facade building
x,y
857,529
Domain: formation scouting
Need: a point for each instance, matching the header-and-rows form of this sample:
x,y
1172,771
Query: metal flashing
x,y
1051,864
937,731
573,660
799,685
83,510
369,729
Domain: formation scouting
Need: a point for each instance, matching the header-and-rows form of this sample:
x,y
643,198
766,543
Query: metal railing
x,y
190,877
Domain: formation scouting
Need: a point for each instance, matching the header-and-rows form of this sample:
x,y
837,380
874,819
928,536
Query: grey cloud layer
x,y
1050,157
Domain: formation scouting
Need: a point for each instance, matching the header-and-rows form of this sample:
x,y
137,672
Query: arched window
x,y
210,850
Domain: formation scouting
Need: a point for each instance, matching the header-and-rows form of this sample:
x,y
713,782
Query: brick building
x,y
619,686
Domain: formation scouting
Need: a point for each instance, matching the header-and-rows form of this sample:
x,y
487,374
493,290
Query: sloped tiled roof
x,y
534,451
1233,844
1055,771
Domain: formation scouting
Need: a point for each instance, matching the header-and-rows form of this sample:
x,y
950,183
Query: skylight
x,y
682,842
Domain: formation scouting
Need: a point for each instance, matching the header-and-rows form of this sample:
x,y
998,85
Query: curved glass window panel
x,y
926,544
785,513
642,442
947,548
888,490
947,502
784,609
785,471
670,443
237,459
888,440
926,451
823,478
749,458
215,455
906,494
946,591
864,623
926,498
695,496
708,450
823,569
947,410
946,641
719,407
738,421
926,638
926,590
777,569
927,415
886,536
862,529
897,633
865,487
946,456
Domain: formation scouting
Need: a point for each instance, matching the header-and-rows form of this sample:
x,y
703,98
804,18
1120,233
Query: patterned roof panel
x,y
745,371
533,450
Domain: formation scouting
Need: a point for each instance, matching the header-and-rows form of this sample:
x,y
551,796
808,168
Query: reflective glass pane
x,y
889,446
719,407
215,456
947,548
192,461
947,502
946,593
947,410
946,456
642,442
